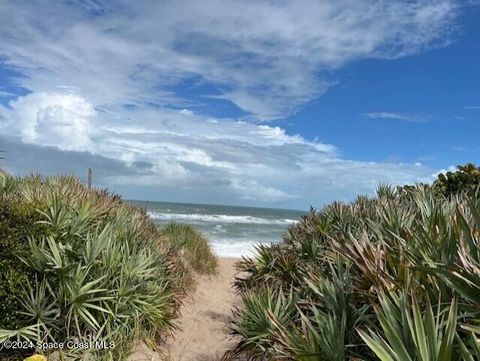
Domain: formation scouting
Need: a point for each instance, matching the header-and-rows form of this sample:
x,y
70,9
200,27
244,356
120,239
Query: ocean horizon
x,y
232,231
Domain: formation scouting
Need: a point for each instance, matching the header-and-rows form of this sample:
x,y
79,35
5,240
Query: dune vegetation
x,y
394,277
194,248
80,264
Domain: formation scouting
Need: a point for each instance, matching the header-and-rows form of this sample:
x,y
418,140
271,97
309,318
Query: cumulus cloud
x,y
109,87
167,153
62,120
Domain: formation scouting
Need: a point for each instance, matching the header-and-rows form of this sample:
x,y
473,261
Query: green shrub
x,y
393,277
16,222
193,246
81,264
466,177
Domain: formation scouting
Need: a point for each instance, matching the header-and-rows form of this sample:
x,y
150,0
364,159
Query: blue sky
x,y
438,89
281,104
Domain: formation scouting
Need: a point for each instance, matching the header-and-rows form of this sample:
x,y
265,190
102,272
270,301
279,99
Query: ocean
x,y
232,231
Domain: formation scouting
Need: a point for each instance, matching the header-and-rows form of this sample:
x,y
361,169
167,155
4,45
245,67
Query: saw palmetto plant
x,y
409,333
393,277
80,264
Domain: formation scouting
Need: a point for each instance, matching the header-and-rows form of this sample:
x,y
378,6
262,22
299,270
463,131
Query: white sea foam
x,y
217,218
233,249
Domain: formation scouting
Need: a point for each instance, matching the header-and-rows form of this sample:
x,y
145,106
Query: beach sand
x,y
203,333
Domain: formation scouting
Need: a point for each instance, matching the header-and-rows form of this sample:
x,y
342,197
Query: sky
x,y
284,103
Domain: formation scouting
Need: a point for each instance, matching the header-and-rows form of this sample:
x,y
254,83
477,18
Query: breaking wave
x,y
217,218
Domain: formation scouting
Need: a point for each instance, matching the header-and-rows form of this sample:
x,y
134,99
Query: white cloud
x,y
397,116
4,94
221,161
62,120
110,84
268,58
450,168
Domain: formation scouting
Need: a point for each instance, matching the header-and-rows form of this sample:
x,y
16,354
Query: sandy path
x,y
204,333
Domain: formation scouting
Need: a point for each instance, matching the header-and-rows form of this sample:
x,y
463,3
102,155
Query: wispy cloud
x,y
106,86
472,107
4,94
397,116
457,148
267,58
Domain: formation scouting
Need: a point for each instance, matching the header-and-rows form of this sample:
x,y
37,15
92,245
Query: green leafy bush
x,y
81,264
193,247
393,277
466,177
17,221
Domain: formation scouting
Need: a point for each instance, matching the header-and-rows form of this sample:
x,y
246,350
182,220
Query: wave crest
x,y
217,218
